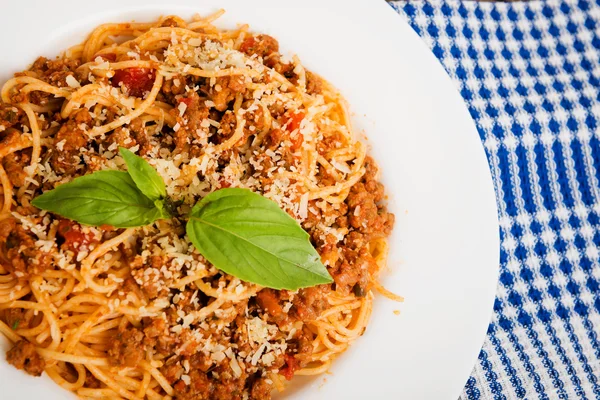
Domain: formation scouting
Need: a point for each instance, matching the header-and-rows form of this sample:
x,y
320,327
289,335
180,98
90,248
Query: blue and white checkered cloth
x,y
530,75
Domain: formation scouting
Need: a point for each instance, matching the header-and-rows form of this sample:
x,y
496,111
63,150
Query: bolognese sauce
x,y
139,313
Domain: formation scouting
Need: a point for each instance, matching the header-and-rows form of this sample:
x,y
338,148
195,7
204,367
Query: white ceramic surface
x,y
444,256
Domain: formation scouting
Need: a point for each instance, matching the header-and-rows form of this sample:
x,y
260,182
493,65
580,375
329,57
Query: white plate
x,y
444,256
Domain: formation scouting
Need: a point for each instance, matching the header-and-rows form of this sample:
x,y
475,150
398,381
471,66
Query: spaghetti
x,y
139,313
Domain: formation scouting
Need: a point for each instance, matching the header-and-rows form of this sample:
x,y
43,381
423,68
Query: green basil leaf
x,y
145,177
101,198
248,236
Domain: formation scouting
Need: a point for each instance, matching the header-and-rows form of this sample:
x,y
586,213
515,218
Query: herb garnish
x,y
250,237
240,232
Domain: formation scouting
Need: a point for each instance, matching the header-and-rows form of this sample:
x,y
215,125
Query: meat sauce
x,y
75,238
193,376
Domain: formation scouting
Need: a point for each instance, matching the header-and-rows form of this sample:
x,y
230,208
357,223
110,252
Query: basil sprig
x,y
250,237
109,197
240,232
101,198
145,177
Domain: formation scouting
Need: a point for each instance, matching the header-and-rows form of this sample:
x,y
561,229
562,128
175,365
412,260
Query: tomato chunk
x,y
248,44
137,81
185,100
293,123
291,366
75,239
223,183
269,301
296,141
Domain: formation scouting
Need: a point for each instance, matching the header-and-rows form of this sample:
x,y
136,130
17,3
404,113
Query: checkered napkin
x,y
530,75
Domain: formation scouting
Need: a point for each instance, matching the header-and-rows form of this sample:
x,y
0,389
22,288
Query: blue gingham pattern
x,y
530,75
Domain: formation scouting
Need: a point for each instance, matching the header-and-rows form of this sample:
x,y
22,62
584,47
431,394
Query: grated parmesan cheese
x,y
181,107
72,82
341,166
195,42
303,207
235,367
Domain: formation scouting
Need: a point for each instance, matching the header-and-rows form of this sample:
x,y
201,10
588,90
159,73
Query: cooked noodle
x,y
138,313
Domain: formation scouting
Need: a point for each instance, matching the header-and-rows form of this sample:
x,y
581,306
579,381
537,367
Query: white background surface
x,y
444,257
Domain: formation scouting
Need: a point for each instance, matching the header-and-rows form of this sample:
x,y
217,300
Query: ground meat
x,y
172,370
155,328
329,254
17,318
285,69
288,135
261,45
23,356
190,123
173,22
310,302
120,137
365,214
13,164
348,275
301,346
255,120
54,72
173,87
351,264
225,90
274,138
91,381
363,209
199,362
261,390
314,84
10,116
268,300
329,143
167,344
18,253
277,109
13,138
267,48
127,348
66,157
354,240
145,274
157,335
240,334
199,387
129,136
227,127
227,387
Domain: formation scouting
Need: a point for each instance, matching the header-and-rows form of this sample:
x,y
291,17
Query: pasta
x,y
139,313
